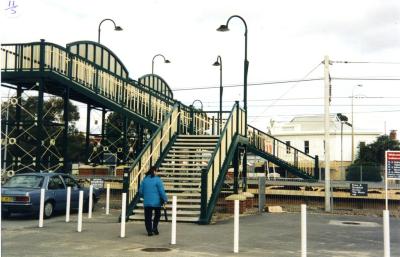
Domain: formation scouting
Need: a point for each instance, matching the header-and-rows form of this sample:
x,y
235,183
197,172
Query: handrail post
x,y
316,167
203,207
42,54
178,128
126,182
212,126
191,124
237,117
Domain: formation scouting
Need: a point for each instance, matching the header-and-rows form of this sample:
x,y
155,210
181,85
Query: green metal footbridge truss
x,y
192,148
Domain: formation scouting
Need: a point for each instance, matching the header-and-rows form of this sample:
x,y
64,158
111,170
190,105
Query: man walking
x,y
153,193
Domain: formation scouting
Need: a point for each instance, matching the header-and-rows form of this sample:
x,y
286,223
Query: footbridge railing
x,y
282,152
42,58
214,174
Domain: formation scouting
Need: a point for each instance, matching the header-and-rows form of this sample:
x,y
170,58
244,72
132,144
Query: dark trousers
x,y
148,214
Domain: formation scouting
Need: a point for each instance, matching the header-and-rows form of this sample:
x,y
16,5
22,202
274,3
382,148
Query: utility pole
x,y
327,127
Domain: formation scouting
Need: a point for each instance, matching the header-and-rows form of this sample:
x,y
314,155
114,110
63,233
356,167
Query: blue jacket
x,y
152,191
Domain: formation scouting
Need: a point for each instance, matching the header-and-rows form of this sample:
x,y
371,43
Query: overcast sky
x,y
287,40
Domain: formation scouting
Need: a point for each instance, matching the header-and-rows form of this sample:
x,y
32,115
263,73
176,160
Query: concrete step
x,y
165,179
192,148
184,195
182,189
169,215
194,164
195,143
181,200
178,174
180,205
179,169
200,159
169,184
178,212
198,136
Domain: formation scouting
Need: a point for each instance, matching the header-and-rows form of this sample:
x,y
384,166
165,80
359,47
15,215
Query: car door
x,y
58,192
70,182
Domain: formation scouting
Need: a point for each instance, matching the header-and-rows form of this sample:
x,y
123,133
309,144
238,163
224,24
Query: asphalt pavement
x,y
260,235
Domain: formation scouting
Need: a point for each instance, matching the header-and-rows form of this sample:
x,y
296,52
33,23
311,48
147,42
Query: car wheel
x,y
48,209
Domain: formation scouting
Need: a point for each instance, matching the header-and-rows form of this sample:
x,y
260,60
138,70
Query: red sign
x,y
393,156
393,164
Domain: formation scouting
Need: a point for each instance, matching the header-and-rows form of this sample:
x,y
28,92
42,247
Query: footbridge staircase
x,y
192,149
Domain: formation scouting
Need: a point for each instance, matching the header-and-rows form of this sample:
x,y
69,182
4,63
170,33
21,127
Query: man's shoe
x,y
155,232
150,234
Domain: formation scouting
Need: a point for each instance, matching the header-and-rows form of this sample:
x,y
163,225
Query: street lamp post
x,y
152,62
352,122
197,100
224,28
218,62
116,28
343,120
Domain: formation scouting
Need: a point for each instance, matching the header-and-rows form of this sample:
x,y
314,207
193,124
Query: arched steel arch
x,y
156,83
99,55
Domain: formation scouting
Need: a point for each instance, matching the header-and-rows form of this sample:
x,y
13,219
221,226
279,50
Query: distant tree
x,y
370,159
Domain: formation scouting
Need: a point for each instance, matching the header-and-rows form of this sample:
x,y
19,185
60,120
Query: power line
x,y
364,62
306,98
250,84
287,91
315,114
372,79
320,105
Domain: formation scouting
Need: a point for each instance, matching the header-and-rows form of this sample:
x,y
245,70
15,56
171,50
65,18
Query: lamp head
x,y
167,61
223,28
216,63
117,28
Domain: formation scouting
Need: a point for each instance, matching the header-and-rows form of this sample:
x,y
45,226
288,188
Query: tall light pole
x,y
116,28
152,61
224,28
352,122
218,62
327,84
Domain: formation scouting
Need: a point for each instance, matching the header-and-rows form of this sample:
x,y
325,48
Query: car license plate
x,y
7,199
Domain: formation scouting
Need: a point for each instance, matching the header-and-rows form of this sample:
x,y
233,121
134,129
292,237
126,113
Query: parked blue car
x,y
21,194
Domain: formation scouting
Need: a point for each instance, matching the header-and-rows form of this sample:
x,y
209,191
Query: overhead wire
x,y
287,91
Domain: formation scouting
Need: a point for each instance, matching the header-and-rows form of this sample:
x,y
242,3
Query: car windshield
x,y
28,181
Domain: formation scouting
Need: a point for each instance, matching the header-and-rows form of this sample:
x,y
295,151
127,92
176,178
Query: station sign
x,y
393,164
358,189
97,183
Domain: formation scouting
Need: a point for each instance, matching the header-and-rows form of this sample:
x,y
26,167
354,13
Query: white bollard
x,y
386,234
303,230
123,215
67,209
41,208
90,201
80,209
108,200
236,228
173,229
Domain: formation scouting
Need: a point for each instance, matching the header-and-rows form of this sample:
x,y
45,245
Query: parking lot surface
x,y
260,235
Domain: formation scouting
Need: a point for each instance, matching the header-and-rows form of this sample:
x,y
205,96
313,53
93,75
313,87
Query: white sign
x,y
97,183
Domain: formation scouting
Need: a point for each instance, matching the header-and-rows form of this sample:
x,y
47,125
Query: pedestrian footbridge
x,y
193,149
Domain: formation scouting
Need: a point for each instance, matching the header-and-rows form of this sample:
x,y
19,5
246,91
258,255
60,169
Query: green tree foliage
x,y
370,159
